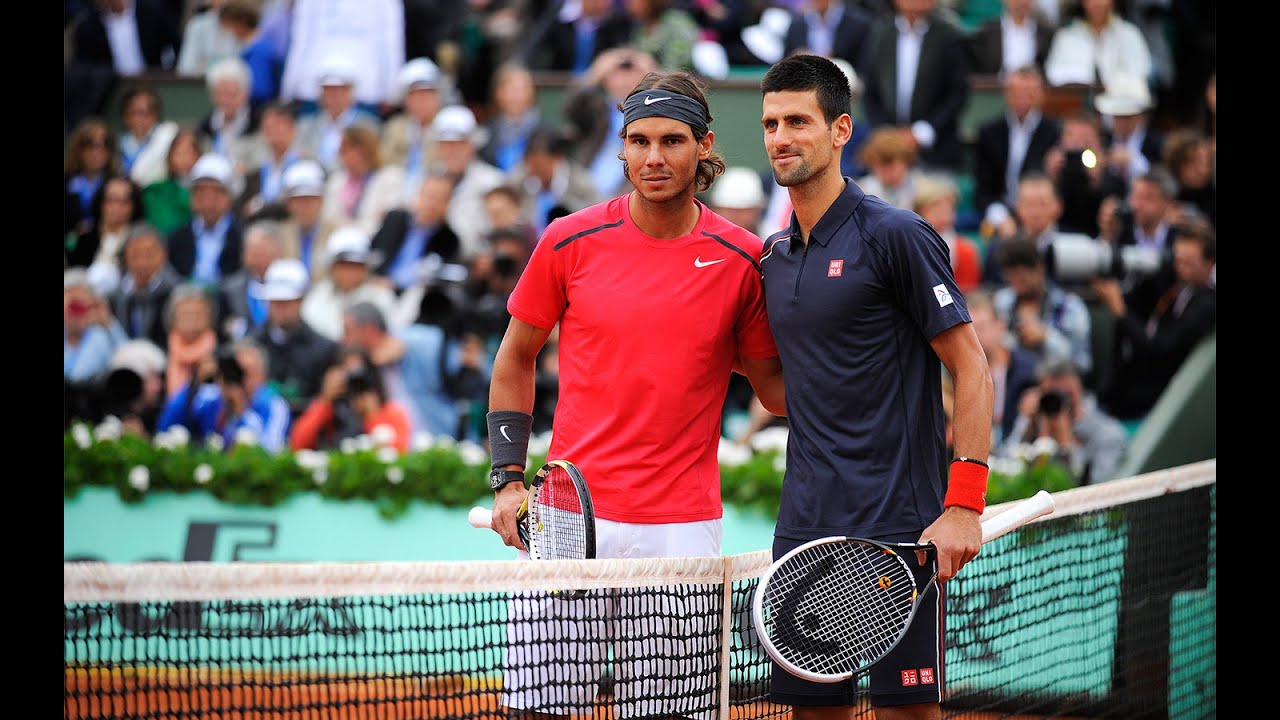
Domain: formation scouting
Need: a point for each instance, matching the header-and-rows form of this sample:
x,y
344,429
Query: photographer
x,y
231,397
1043,317
1060,414
1080,171
351,402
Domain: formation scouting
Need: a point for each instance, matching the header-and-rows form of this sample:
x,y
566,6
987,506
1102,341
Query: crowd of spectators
x,y
329,250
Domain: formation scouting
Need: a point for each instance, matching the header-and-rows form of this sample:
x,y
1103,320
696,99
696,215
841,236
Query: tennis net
x,y
1107,608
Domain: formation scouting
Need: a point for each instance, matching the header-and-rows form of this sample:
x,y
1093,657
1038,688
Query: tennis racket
x,y
556,521
833,607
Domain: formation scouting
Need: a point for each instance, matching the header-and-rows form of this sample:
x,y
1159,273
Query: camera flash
x,y
1088,159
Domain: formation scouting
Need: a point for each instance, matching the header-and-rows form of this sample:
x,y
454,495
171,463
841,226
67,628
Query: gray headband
x,y
664,103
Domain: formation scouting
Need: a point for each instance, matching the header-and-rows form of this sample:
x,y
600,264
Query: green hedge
x,y
449,475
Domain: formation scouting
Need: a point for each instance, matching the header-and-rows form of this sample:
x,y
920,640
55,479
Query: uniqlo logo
x,y
909,678
926,676
835,268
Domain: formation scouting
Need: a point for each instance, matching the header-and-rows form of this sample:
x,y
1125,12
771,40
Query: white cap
x,y
766,40
455,122
337,69
303,178
349,244
215,167
738,188
285,279
419,73
1124,95
710,59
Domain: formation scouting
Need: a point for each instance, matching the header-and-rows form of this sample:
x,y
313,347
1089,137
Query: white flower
x,y
780,462
179,436
473,454
540,443
215,442
347,445
445,442
311,459
246,436
383,435
203,474
140,478
420,441
82,435
1044,447
395,474
770,438
320,475
387,455
1007,465
364,442
109,429
732,454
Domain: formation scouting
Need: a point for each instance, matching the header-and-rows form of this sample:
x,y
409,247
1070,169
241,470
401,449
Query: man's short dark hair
x,y
1020,253
812,72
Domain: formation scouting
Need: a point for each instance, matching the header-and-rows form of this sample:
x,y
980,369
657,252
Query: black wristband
x,y
975,461
509,432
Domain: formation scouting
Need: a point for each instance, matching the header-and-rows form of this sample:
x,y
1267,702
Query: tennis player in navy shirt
x,y
866,313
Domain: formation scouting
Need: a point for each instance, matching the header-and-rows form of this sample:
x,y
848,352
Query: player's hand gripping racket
x,y
556,521
833,607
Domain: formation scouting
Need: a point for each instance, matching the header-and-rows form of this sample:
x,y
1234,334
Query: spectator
x,y
1151,202
1084,438
457,139
830,28
1042,317
1035,219
1152,347
415,364
347,281
890,156
320,133
352,401
592,113
205,41
553,184
168,200
233,401
369,33
241,309
128,36
230,123
89,159
663,29
409,236
515,116
1188,156
1096,45
1132,145
1082,174
270,150
923,82
146,137
87,344
1012,144
492,277
298,354
504,206
305,232
1019,37
362,189
144,291
738,196
210,246
258,52
580,32
1013,369
404,139
133,390
116,206
935,200
189,316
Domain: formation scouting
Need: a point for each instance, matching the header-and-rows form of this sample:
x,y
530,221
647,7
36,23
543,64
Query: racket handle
x,y
480,517
1024,512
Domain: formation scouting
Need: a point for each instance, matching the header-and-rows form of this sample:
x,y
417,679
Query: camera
x,y
229,370
504,266
1073,257
1052,402
359,380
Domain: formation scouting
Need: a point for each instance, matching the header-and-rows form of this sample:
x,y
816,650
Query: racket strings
x,y
557,528
838,607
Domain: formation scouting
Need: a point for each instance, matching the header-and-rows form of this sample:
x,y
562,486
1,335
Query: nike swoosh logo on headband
x,y
651,100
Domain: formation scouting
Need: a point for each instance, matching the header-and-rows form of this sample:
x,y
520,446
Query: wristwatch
x,y
499,479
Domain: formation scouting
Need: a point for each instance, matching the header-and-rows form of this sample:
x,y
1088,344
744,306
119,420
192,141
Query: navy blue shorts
x,y
910,674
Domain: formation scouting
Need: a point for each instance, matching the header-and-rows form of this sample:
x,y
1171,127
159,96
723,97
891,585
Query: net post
x,y
726,635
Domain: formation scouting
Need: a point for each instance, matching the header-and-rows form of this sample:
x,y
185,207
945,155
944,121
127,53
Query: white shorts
x,y
663,643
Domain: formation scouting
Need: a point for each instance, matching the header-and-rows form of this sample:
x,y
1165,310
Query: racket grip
x,y
1024,512
480,517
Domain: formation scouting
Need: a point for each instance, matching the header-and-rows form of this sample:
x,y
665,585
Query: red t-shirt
x,y
649,331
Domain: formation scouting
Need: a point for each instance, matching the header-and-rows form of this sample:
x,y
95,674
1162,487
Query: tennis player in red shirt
x,y
659,300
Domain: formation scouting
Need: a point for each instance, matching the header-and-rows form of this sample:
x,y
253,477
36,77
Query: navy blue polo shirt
x,y
853,313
